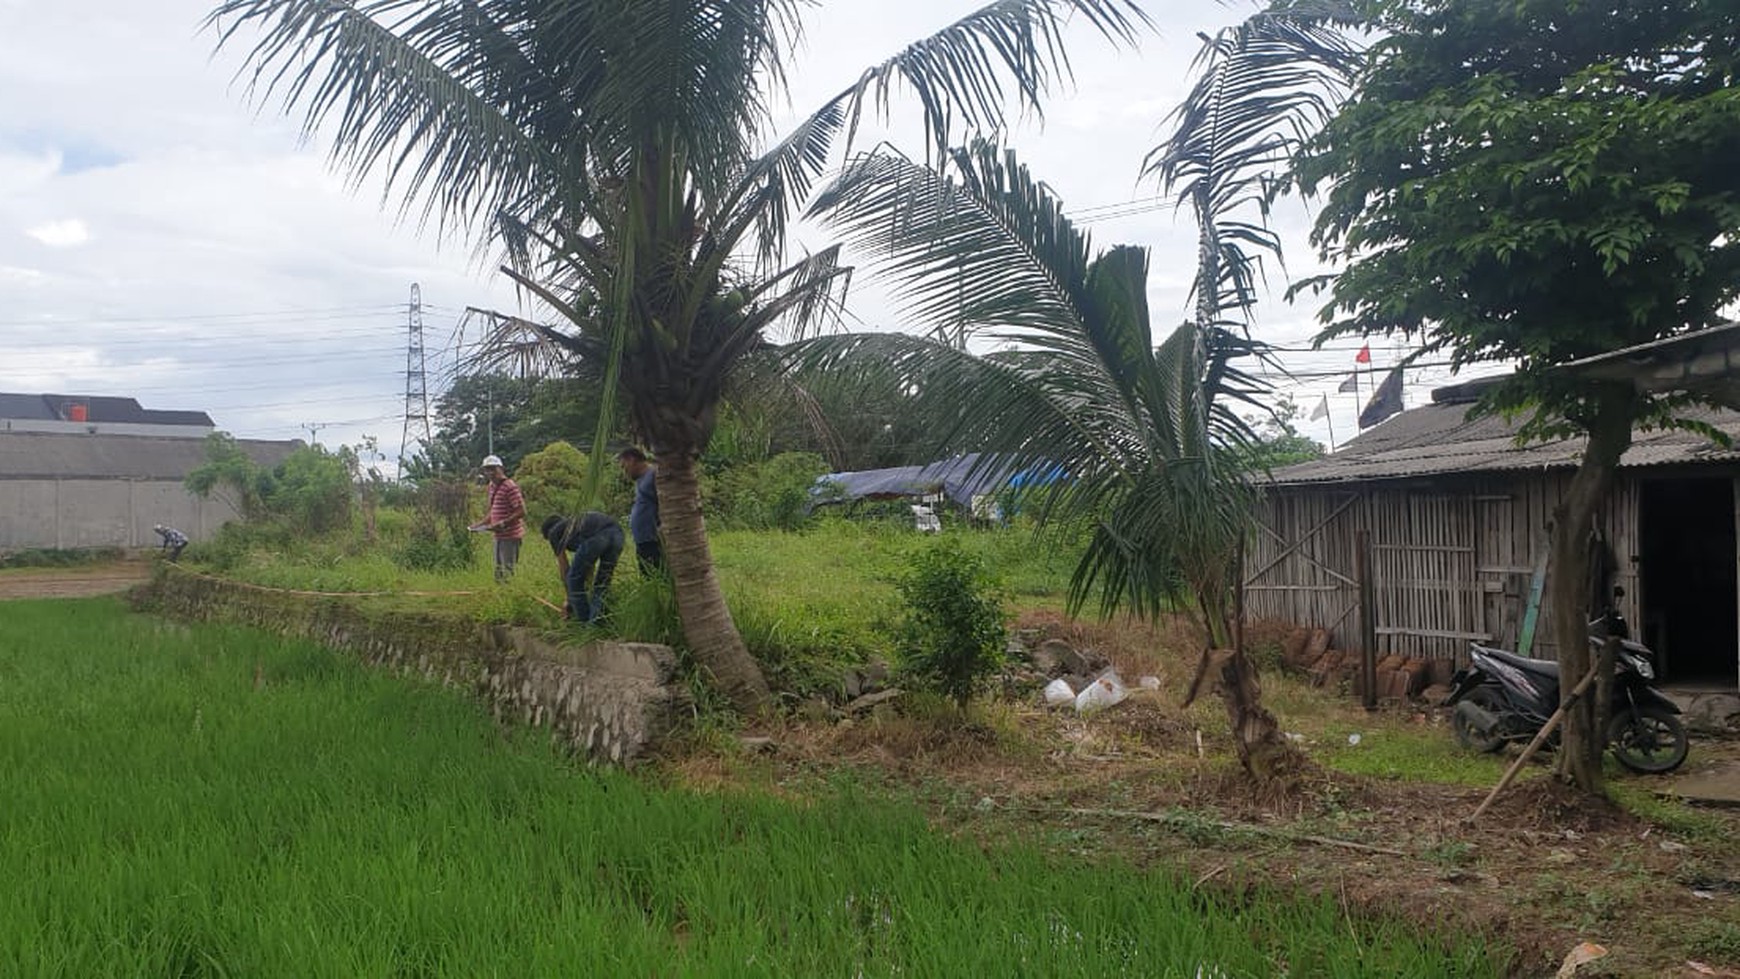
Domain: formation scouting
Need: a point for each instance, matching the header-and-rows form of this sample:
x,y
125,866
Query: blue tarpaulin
x,y
959,479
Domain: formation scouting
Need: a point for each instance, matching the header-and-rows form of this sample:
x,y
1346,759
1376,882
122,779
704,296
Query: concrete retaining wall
x,y
609,701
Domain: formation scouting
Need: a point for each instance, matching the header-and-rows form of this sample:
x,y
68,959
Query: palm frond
x,y
961,75
984,221
1263,87
434,97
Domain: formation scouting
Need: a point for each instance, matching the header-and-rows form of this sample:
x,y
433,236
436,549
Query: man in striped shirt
x,y
507,517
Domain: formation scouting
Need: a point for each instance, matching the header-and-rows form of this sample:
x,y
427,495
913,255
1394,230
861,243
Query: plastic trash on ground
x,y
1107,690
1059,693
1149,682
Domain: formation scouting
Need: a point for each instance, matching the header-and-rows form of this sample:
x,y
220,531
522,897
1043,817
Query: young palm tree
x,y
614,147
1146,431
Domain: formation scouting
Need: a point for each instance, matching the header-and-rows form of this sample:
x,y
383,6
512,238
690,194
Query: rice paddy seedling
x,y
209,800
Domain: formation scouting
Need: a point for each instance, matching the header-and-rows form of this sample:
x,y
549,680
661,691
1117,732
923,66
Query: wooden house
x,y
1456,514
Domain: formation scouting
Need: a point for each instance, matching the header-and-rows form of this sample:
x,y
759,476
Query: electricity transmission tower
x,y
416,431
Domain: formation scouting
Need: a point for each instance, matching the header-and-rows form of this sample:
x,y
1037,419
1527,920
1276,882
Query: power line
x,y
173,317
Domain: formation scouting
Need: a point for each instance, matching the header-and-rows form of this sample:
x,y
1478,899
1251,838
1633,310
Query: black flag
x,y
1349,386
1386,401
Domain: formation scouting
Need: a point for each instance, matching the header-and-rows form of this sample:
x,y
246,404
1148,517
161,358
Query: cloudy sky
x,y
160,238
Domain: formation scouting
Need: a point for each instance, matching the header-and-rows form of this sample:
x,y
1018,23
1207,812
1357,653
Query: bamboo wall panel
x,y
1453,559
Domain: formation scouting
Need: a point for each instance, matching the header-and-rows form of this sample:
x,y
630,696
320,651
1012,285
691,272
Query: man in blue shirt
x,y
643,516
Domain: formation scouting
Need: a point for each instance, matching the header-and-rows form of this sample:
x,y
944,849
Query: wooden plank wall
x,y
1452,558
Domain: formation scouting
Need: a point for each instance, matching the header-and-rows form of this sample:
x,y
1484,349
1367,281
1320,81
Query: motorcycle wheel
x,y
1462,722
1648,740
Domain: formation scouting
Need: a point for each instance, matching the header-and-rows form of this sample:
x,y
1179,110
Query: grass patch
x,y
808,603
1670,814
211,800
35,557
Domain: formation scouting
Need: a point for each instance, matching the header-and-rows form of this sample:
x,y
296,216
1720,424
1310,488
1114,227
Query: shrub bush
x,y
773,494
952,635
553,480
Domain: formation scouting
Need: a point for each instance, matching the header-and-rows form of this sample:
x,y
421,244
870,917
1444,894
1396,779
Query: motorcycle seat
x,y
1539,667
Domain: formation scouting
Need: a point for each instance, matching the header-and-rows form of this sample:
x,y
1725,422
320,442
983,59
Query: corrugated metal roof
x,y
1439,439
43,455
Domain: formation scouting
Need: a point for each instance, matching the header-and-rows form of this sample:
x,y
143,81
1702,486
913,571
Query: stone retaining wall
x,y
609,701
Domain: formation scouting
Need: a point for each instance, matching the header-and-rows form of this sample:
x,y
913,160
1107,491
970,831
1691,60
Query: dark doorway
x,y
1688,577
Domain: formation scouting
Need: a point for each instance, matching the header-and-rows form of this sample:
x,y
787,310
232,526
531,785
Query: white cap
x,y
491,461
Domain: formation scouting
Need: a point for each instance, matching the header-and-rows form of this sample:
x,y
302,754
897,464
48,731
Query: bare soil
x,y
72,582
1544,869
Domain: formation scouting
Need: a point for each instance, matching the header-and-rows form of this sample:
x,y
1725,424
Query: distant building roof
x,y
44,455
103,408
25,406
1439,439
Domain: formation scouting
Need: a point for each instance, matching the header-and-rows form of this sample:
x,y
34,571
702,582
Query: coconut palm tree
x,y
1145,427
616,149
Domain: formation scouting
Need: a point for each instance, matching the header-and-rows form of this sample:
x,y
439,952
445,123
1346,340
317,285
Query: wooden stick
x,y
1540,739
552,606
1167,818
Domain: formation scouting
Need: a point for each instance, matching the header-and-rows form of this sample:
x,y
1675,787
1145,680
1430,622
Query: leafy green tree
x,y
1277,441
311,490
230,474
557,479
615,148
1536,181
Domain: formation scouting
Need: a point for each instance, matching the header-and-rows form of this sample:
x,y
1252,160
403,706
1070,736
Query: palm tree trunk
x,y
707,625
1256,734
1573,522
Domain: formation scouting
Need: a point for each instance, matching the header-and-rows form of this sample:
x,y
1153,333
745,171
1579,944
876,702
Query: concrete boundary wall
x,y
612,702
64,514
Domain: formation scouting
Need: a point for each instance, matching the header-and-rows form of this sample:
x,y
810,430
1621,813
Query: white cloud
x,y
61,234
216,223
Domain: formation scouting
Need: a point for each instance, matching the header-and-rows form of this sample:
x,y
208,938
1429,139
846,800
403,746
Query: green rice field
x,y
213,801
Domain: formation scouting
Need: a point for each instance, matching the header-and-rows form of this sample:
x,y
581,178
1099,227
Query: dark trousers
x,y
175,551
651,556
602,549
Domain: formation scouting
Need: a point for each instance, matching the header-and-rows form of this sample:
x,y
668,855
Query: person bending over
x,y
595,540
173,540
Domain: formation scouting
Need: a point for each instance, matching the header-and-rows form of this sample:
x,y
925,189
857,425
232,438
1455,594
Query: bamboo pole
x,y
1546,730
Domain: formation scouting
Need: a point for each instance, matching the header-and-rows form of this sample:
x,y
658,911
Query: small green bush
x,y
431,550
952,636
773,494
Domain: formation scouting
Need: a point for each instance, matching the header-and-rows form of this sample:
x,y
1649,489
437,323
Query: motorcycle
x,y
1501,697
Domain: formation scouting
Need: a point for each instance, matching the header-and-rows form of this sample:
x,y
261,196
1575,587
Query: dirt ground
x,y
73,582
1541,872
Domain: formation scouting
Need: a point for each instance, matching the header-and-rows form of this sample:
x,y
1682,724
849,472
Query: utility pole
x,y
416,429
314,431
489,418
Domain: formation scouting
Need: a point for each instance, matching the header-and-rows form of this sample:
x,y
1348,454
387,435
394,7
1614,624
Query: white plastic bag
x,y
1107,690
1058,693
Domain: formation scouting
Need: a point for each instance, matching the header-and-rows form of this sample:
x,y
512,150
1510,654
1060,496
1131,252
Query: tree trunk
x,y
707,625
1256,734
1573,523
